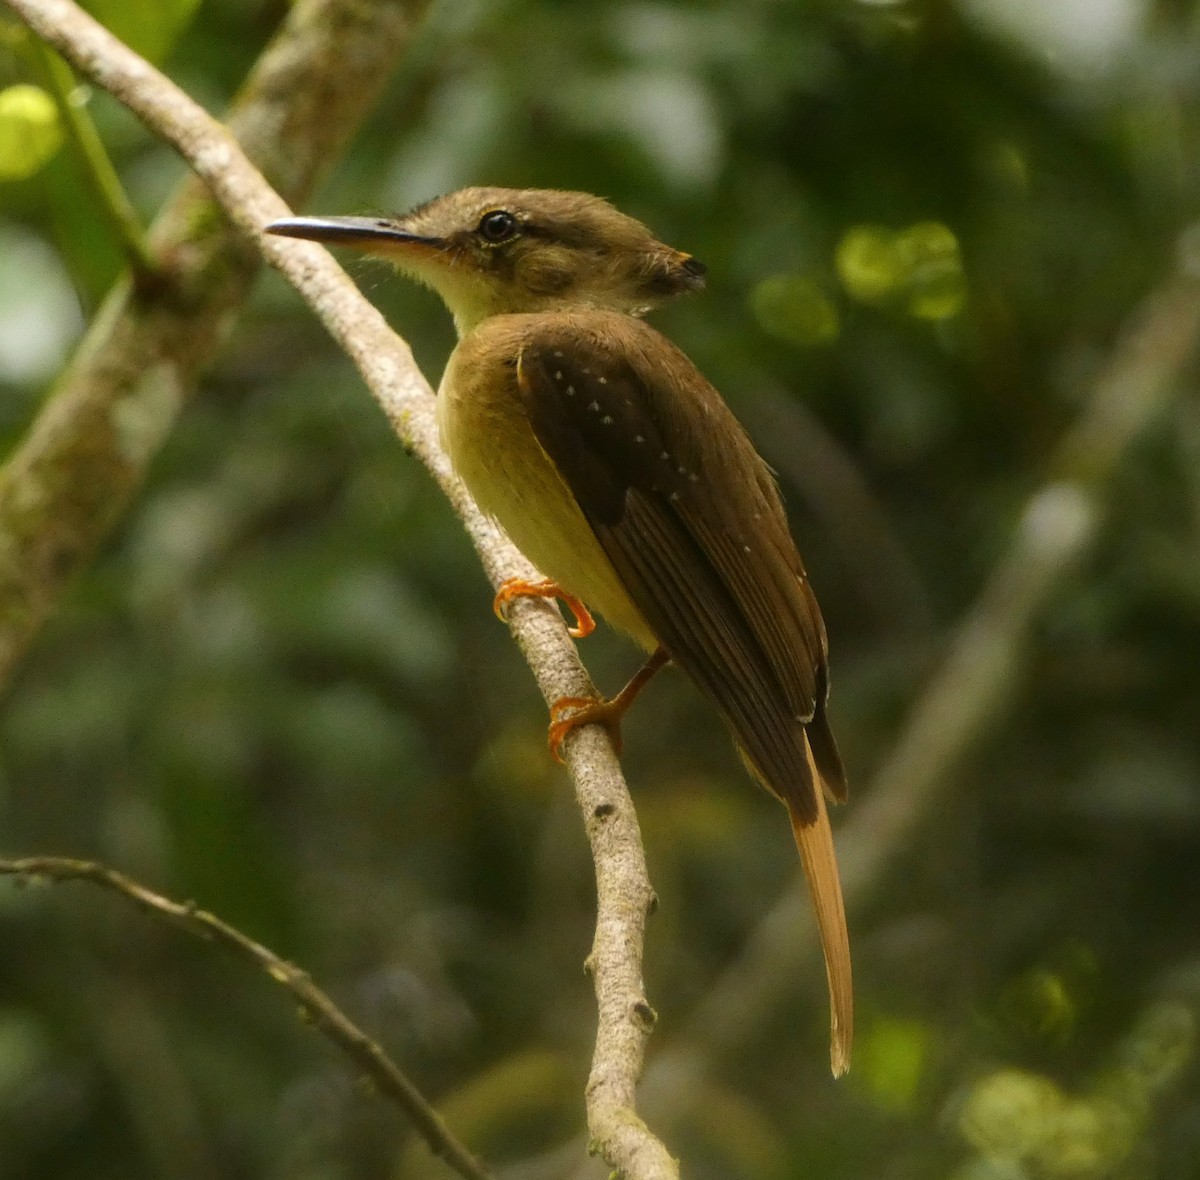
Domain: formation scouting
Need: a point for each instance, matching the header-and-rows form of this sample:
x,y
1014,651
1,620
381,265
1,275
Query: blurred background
x,y
280,689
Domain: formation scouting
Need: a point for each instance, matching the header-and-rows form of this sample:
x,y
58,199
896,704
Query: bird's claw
x,y
583,711
520,588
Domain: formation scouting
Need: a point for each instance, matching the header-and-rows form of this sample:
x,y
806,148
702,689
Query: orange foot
x,y
584,711
519,588
599,710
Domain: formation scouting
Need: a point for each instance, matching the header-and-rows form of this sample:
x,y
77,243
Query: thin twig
x,y
624,895
318,1008
96,163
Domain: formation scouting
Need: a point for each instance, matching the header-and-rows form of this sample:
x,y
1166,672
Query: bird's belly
x,y
496,454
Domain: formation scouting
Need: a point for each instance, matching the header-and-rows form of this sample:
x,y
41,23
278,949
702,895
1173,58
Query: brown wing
x,y
689,515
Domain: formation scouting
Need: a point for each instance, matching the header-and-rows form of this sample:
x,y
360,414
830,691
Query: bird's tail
x,y
814,839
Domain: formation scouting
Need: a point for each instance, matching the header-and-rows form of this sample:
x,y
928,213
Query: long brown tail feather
x,y
815,843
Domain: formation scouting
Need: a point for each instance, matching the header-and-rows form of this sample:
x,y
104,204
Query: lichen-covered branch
x,y
624,896
324,1015
71,477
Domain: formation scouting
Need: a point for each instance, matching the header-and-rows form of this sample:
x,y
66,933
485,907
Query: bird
x,y
622,475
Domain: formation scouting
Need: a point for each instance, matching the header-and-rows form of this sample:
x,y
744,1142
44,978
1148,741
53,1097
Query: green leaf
x,y
867,264
30,131
796,309
893,1055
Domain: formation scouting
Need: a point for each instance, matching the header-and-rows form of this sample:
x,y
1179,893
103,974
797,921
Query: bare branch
x,y
71,477
624,895
325,1016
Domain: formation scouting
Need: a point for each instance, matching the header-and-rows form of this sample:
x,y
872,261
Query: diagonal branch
x,y
72,476
624,895
315,1004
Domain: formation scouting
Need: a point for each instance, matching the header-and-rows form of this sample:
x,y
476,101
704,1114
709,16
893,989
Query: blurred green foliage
x,y
280,689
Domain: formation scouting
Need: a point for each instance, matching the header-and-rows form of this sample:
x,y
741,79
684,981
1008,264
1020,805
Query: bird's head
x,y
491,251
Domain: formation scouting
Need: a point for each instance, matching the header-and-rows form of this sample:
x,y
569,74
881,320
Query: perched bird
x,y
622,475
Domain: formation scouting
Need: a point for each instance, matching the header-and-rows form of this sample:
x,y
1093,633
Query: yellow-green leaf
x,y
30,131
918,269
795,308
932,262
867,264
892,1058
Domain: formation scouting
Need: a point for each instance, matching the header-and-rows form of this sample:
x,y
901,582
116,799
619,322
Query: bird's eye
x,y
497,226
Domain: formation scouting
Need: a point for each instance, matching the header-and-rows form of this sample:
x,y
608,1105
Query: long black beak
x,y
366,233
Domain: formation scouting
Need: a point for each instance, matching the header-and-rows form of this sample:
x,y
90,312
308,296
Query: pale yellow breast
x,y
489,440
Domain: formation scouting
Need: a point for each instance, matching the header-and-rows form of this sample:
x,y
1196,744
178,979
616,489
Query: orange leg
x,y
598,710
519,588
